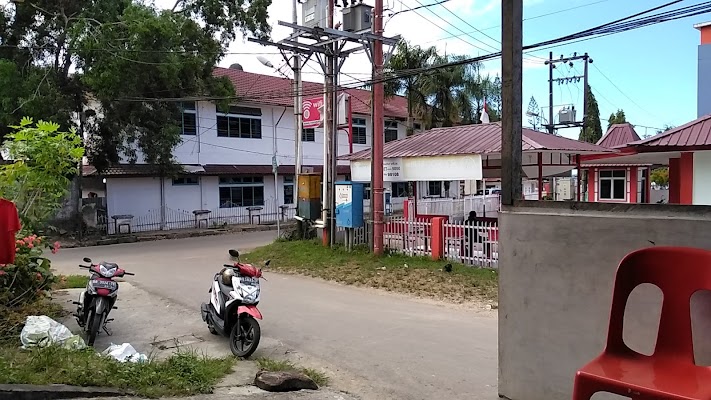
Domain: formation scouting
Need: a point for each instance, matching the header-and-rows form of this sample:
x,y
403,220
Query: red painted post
x,y
406,209
438,236
674,181
686,178
577,166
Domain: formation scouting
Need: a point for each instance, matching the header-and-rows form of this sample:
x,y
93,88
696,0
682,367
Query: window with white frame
x,y
188,114
240,122
289,189
613,184
400,189
308,135
390,131
359,131
241,191
434,188
185,181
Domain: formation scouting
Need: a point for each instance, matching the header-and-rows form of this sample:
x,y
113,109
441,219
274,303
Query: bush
x,y
24,285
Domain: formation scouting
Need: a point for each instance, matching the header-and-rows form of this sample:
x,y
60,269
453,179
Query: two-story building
x,y
228,157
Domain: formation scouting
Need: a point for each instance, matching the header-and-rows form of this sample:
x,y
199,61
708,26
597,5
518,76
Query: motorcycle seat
x,y
225,288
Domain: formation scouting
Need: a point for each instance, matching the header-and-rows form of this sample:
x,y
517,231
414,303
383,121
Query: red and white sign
x,y
312,112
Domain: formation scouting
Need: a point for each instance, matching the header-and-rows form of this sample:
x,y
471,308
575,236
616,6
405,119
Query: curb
x,y
173,235
51,392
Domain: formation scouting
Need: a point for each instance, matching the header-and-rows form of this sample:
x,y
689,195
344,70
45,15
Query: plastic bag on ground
x,y
41,331
124,352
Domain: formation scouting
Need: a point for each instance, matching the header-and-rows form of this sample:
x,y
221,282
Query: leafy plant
x,y
45,159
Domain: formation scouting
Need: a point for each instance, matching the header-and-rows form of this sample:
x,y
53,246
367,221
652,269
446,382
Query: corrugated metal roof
x,y
273,90
474,139
618,136
615,165
693,134
209,169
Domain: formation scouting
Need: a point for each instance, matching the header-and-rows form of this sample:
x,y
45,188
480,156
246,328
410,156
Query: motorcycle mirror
x,y
234,253
87,259
266,264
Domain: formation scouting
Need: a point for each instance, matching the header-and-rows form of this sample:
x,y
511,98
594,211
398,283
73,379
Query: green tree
x,y
616,118
660,176
409,57
45,160
534,114
593,129
128,55
665,128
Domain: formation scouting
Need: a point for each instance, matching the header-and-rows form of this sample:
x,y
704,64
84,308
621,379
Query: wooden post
x,y
512,70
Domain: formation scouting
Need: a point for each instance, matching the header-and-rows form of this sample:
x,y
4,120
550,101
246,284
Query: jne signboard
x,y
392,170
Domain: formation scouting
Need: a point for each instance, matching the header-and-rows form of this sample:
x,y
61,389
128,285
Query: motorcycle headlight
x,y
107,273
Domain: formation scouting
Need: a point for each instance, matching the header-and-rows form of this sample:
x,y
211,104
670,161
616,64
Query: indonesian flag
x,y
484,115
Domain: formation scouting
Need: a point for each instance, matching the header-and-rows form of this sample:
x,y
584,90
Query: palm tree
x,y
408,57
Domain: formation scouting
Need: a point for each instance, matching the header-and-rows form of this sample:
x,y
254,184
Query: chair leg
x,y
583,389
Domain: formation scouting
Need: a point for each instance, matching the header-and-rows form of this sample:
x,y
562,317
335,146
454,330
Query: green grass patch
x,y
419,276
71,282
184,373
268,364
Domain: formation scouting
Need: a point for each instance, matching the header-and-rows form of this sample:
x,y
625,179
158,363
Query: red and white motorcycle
x,y
232,309
98,299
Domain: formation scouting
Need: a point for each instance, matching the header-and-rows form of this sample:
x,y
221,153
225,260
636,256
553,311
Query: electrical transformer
x,y
314,13
357,18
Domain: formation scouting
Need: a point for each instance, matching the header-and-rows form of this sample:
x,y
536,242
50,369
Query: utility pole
x,y
298,108
329,47
328,137
511,93
378,124
552,126
551,129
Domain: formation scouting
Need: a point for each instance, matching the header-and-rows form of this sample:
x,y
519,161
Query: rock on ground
x,y
283,381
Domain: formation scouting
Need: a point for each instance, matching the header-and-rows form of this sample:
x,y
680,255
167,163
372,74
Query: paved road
x,y
403,349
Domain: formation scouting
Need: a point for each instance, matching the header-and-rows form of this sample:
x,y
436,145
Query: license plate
x,y
248,280
97,284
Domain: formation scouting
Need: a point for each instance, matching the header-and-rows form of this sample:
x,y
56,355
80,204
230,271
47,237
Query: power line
x,y
602,30
623,93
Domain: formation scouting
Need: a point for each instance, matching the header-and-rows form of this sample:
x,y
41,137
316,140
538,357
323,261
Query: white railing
x,y
411,237
169,219
485,206
474,244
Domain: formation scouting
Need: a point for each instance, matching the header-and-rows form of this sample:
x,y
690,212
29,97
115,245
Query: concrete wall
x,y
703,104
702,178
557,268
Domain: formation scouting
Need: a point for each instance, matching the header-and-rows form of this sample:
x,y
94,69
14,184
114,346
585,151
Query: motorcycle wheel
x,y
94,327
245,336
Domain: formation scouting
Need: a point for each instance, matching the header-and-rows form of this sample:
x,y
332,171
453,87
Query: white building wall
x,y
207,148
701,194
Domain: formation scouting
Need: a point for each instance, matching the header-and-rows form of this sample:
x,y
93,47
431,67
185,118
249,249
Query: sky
x,y
650,73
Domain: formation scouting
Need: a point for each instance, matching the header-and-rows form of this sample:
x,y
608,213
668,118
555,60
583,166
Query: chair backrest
x,y
678,272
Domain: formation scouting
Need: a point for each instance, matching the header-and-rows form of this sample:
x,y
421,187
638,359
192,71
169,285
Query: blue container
x,y
349,204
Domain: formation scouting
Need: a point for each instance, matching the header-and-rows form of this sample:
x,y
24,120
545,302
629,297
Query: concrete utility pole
x,y
329,48
328,137
378,123
298,108
511,93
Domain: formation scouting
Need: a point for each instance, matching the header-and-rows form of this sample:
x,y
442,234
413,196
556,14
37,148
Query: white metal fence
x,y
485,206
169,219
472,243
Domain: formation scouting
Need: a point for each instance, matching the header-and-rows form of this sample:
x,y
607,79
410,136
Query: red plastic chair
x,y
670,373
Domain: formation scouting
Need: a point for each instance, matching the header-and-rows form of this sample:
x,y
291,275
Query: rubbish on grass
x,y
125,352
42,331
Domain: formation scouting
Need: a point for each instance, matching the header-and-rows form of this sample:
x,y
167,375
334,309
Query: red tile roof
x,y
618,136
137,170
267,89
474,139
696,133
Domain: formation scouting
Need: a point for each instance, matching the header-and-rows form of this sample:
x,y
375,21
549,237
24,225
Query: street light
x,y
265,62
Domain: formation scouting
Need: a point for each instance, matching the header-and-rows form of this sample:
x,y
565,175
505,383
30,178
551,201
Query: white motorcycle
x,y
232,309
